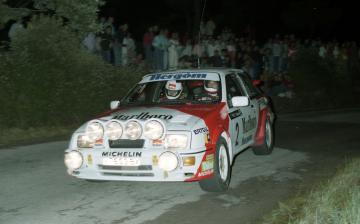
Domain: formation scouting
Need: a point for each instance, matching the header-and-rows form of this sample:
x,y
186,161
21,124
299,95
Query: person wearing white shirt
x,y
173,51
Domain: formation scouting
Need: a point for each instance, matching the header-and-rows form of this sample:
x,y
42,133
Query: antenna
x,y
199,38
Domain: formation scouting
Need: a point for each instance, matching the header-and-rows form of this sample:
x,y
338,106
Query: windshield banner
x,y
180,76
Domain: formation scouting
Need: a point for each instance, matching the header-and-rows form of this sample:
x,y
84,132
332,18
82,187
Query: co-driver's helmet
x,y
211,87
173,89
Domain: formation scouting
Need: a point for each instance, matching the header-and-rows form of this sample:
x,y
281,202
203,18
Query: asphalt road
x,y
34,186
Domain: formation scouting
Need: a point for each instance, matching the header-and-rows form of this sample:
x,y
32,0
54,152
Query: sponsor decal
x,y
178,76
99,142
121,154
90,160
205,173
157,142
142,116
248,124
206,138
201,130
155,160
235,114
246,139
208,164
224,113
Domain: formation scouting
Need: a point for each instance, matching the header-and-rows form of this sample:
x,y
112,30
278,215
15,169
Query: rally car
x,y
183,125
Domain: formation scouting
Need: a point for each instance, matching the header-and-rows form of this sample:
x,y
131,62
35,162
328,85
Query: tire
x,y
95,181
267,147
222,170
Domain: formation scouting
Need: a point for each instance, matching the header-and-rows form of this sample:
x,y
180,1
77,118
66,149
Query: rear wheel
x,y
267,147
222,170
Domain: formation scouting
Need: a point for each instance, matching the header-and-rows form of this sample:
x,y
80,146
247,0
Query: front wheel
x,y
222,170
95,181
267,147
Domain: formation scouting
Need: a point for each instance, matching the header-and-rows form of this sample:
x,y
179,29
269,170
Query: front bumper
x,y
148,170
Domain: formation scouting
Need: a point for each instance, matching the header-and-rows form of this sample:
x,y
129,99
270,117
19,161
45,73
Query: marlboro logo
x,y
142,116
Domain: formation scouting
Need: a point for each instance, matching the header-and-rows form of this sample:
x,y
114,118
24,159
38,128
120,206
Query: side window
x,y
232,88
250,88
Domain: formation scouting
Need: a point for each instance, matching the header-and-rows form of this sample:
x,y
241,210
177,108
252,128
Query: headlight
x,y
154,129
176,141
133,130
83,141
113,130
73,160
95,131
168,161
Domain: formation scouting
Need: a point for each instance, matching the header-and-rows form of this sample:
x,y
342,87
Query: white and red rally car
x,y
184,125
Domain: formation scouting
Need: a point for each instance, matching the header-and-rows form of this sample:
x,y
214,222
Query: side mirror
x,y
114,104
240,101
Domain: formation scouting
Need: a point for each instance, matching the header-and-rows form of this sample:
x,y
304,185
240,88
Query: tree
x,y
79,15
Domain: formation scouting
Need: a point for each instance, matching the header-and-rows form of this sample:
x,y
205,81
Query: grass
x,y
336,201
17,136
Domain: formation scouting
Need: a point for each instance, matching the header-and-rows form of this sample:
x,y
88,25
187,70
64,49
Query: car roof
x,y
221,71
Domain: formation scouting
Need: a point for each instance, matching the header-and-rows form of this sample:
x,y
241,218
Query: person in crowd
x,y
15,29
210,27
210,48
197,49
106,44
166,50
216,60
280,88
276,54
120,47
129,51
160,44
90,42
173,51
147,44
284,56
225,60
322,51
110,22
231,50
256,57
187,49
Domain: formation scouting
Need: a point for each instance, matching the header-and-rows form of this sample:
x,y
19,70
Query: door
x,y
241,118
251,121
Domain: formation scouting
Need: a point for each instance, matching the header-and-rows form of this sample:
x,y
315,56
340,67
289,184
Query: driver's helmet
x,y
196,86
173,89
211,87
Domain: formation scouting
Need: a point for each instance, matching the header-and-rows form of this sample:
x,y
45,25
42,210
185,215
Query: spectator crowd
x,y
161,50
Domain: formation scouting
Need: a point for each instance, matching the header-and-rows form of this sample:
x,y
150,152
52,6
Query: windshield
x,y
175,92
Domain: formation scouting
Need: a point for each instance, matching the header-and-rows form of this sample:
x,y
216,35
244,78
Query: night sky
x,y
305,18
327,20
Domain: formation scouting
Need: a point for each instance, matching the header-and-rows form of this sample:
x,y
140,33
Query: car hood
x,y
175,117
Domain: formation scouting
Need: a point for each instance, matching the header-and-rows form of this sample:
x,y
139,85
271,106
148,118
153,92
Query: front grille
x,y
126,168
128,174
126,143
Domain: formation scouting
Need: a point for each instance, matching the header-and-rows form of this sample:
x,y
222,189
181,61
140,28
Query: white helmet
x,y
173,89
211,87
